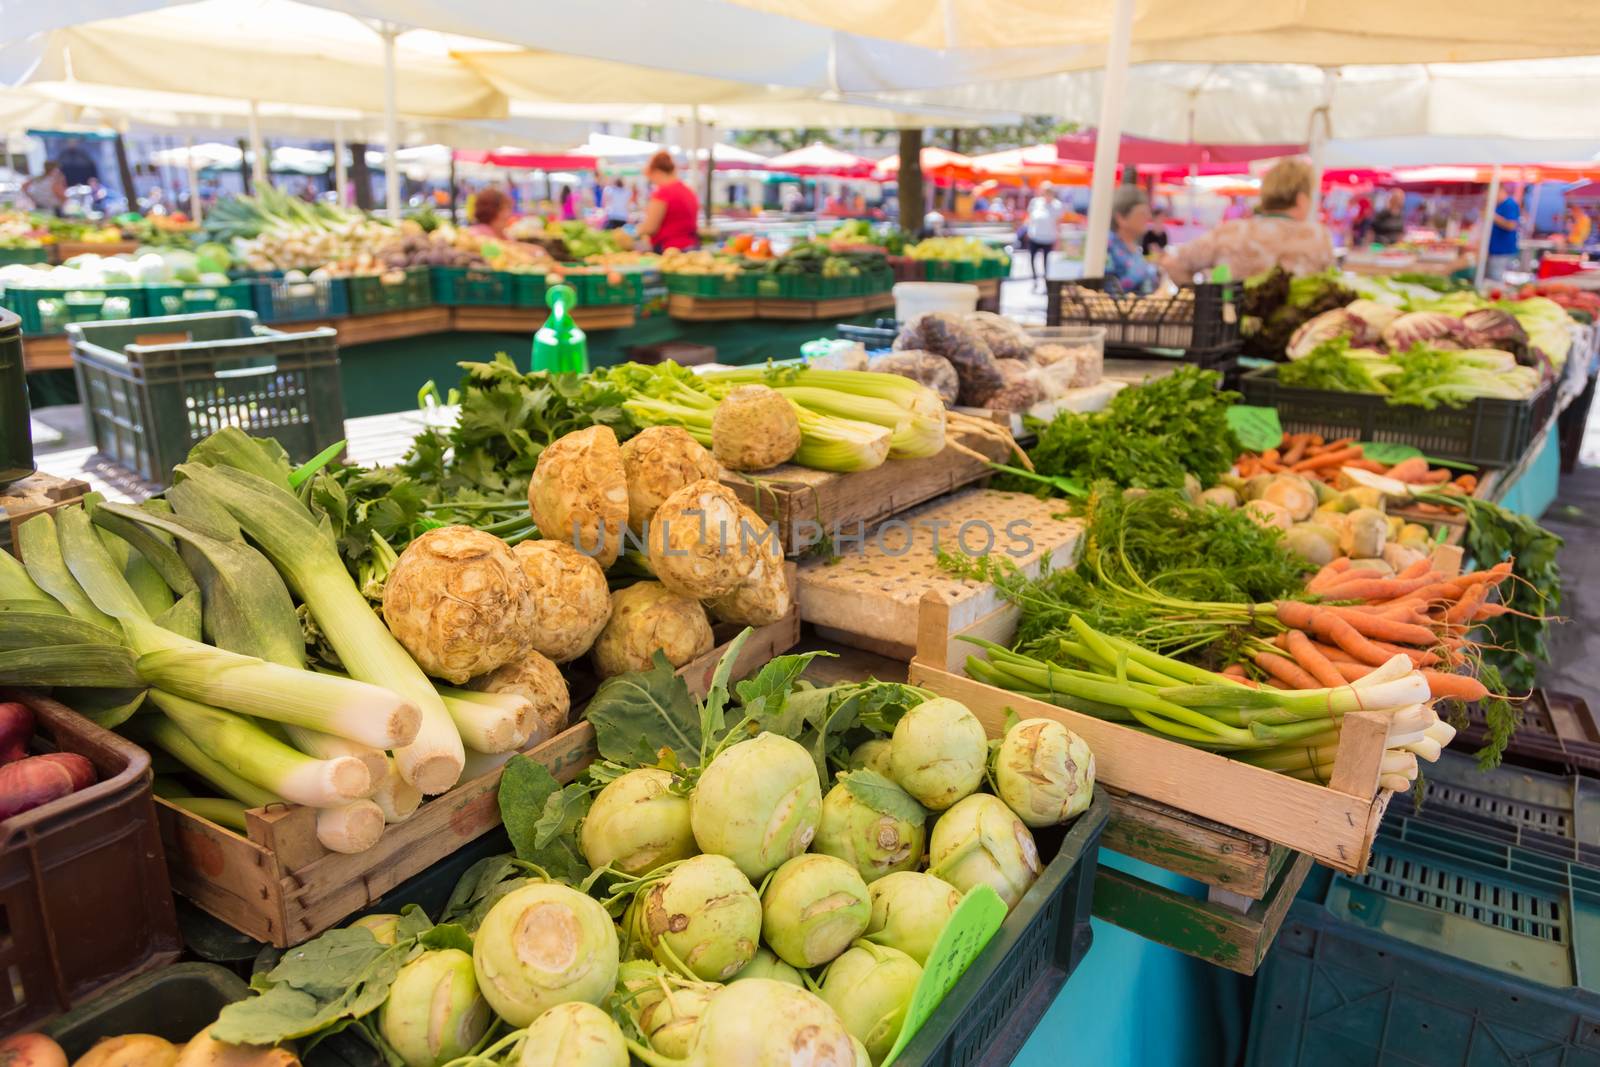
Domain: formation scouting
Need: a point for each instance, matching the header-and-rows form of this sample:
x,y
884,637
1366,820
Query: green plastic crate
x,y
741,286
193,299
594,290
277,299
153,388
24,255
473,286
46,312
393,290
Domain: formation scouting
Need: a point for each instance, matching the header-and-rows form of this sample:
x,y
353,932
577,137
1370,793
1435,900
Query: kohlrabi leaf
x,y
883,796
638,714
526,792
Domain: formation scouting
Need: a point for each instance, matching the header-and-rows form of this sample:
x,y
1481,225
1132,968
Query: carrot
x,y
1285,671
1381,629
1372,589
1235,670
1315,663
1418,569
1272,466
1332,626
1438,591
1493,575
1295,452
1468,483
1442,685
1327,459
1367,465
1462,610
1418,657
1270,456
1353,672
1487,611
1329,573
1409,470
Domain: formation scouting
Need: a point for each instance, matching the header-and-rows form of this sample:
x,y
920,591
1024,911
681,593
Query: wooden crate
x,y
46,353
526,320
873,597
277,884
838,308
1333,824
392,325
33,495
62,251
808,505
879,302
707,309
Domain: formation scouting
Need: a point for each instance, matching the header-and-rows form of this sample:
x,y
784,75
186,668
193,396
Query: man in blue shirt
x,y
1504,236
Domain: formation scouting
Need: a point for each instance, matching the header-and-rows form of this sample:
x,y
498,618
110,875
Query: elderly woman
x,y
1280,234
1126,268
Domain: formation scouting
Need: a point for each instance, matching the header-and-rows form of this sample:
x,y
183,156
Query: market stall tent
x,y
820,159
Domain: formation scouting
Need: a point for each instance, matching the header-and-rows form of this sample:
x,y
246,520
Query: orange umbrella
x,y
1036,163
937,163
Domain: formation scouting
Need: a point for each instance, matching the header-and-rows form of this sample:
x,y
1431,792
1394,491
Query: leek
x,y
306,555
350,828
171,738
41,553
490,722
17,586
259,758
107,666
397,798
229,814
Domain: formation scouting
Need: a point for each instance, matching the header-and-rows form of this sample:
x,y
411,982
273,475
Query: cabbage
x,y
1547,324
1487,326
1374,317
1328,326
1426,327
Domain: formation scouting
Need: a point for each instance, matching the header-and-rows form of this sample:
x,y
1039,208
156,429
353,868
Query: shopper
x,y
1156,237
670,216
1389,224
1044,230
1505,238
48,190
491,212
1579,226
615,201
1280,234
1126,268
568,202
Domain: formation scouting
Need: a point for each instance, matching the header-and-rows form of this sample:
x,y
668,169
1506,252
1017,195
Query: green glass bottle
x,y
560,346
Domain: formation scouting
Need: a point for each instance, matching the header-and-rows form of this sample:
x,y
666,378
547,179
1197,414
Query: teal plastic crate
x,y
1558,814
474,286
276,299
24,255
46,312
174,1002
740,286
193,299
151,389
394,290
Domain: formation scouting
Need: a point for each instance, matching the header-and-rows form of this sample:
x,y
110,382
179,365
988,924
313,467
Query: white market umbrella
x,y
819,158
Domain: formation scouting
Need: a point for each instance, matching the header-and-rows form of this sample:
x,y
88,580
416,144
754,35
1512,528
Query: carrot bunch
x,y
1309,454
1363,619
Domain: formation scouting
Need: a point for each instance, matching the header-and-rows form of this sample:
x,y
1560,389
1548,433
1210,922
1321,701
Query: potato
x,y
130,1050
647,617
31,1050
658,462
579,493
203,1050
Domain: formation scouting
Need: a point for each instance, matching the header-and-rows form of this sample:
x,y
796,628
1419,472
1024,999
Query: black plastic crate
x,y
987,1016
175,1002
1558,735
393,290
1200,322
1556,814
1485,432
152,388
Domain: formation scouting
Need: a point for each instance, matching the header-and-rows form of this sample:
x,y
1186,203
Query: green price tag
x,y
1257,429
1388,452
971,926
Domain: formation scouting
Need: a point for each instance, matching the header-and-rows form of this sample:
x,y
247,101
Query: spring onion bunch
x,y
1291,732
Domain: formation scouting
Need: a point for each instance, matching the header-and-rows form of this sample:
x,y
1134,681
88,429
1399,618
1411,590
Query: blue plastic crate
x,y
278,300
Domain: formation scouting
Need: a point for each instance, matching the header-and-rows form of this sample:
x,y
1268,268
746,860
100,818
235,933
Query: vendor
x,y
1389,224
1126,268
491,213
670,216
1281,234
1505,237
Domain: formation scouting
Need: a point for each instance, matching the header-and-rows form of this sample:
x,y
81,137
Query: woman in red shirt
x,y
670,216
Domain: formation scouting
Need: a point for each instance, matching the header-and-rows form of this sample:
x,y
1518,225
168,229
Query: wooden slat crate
x,y
705,309
837,308
808,505
33,495
1334,824
872,597
279,885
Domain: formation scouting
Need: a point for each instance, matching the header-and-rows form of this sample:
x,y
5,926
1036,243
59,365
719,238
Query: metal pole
x,y
258,165
1107,140
1194,171
341,176
194,180
1487,226
711,169
391,125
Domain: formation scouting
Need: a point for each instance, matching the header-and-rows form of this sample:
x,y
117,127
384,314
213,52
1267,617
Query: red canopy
x,y
528,160
1079,147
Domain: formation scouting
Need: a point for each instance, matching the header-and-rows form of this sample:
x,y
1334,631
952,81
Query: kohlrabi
x,y
434,1012
981,841
757,803
873,825
701,918
637,824
576,1034
766,964
813,907
1044,772
910,910
541,945
762,1023
938,752
870,987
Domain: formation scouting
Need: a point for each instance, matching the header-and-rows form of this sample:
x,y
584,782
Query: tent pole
x,y
453,187
258,165
1107,140
391,132
341,177
1486,226
711,169
194,180
1194,170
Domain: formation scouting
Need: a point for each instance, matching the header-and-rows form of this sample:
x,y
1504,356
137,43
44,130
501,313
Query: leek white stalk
x,y
911,436
1425,748
327,746
220,810
170,736
489,722
1399,783
259,758
481,763
349,828
397,798
305,554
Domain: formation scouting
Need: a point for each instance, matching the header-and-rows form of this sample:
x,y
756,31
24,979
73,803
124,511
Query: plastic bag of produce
x,y
949,336
1021,387
1005,338
935,372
